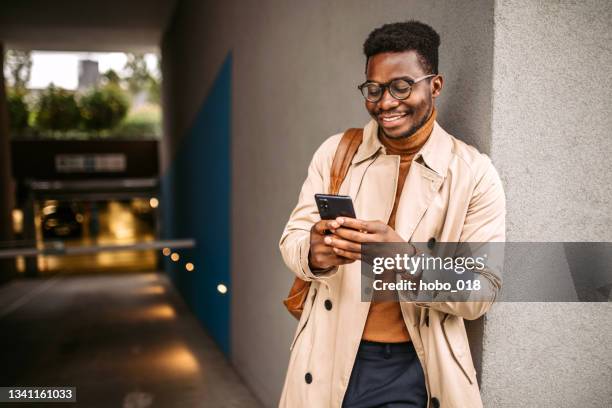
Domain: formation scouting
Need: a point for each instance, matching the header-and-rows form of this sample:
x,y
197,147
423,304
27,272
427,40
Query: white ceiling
x,y
86,25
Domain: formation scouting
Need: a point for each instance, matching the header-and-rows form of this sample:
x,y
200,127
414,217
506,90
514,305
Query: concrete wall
x,y
196,204
552,117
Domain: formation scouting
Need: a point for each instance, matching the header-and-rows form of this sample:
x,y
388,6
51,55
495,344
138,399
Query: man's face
x,y
401,118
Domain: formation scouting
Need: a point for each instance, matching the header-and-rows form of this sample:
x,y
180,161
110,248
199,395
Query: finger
x,y
371,227
337,242
328,254
333,224
353,223
323,249
347,254
321,226
355,236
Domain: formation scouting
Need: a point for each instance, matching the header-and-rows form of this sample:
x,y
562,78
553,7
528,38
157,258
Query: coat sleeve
x,y
484,223
295,241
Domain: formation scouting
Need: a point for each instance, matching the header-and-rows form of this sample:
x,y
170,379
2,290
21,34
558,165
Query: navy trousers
x,y
386,375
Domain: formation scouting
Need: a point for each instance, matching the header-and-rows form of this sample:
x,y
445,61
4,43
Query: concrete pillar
x,y
551,143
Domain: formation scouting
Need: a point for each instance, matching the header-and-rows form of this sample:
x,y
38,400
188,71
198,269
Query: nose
x,y
387,101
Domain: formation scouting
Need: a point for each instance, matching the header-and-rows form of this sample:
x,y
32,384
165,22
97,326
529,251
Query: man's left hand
x,y
349,233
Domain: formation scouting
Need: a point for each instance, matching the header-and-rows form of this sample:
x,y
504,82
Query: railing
x,y
59,248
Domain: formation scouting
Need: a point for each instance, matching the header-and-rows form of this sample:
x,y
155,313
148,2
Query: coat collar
x,y
436,153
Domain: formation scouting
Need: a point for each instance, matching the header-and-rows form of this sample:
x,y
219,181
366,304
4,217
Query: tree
x,y
103,108
57,110
19,65
17,110
138,76
110,77
155,85
155,91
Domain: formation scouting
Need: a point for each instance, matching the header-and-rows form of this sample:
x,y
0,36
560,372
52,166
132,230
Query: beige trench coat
x,y
453,194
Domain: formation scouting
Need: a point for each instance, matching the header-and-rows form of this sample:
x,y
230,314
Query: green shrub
x,y
18,111
103,108
142,123
57,110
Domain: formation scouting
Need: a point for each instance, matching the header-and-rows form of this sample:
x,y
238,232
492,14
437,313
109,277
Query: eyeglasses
x,y
399,88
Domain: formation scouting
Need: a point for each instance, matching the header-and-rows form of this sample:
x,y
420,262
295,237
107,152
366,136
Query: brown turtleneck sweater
x,y
385,322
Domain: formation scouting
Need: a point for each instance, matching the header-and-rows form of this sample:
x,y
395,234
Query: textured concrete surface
x,y
552,104
552,118
548,355
122,340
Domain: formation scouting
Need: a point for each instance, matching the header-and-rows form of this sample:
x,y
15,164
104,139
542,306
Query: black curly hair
x,y
405,36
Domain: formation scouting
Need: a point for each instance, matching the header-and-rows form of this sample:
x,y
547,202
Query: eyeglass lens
x,y
399,89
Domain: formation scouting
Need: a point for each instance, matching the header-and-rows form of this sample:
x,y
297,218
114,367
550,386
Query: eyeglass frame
x,y
386,86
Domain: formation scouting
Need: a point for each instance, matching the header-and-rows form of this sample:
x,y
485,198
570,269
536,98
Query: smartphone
x,y
332,206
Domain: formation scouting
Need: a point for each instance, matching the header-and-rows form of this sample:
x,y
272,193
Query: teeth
x,y
392,118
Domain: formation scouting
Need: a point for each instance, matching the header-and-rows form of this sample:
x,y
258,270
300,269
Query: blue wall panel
x,y
196,203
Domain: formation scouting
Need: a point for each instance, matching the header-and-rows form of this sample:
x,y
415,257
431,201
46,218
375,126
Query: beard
x,y
412,130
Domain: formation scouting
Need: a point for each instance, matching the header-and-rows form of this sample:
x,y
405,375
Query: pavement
x,y
123,340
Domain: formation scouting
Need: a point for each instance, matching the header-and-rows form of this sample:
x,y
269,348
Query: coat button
x,y
431,243
308,378
435,403
328,304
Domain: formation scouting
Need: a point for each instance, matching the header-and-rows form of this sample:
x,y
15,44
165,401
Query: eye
x,y
373,89
401,86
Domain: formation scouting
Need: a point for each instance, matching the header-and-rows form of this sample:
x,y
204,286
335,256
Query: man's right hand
x,y
321,256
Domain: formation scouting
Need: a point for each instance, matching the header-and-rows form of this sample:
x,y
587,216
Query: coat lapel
x,y
375,193
422,184
373,178
425,177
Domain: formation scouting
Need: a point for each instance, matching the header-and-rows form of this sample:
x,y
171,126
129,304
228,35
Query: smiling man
x,y
410,181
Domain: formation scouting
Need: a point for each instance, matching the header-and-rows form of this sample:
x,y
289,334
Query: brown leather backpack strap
x,y
351,139
342,160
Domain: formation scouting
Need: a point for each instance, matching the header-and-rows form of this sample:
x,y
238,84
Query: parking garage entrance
x,y
86,206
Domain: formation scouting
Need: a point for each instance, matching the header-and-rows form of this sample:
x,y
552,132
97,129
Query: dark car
x,y
62,220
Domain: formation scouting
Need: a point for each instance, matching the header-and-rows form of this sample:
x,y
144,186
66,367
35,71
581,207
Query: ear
x,y
437,83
